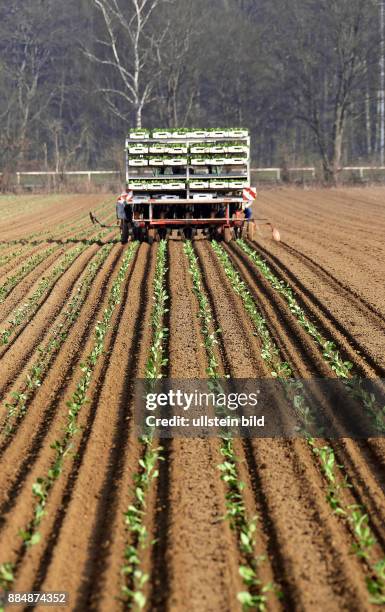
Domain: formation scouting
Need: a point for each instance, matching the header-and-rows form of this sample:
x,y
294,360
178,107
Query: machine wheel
x,y
227,234
188,233
251,230
238,232
214,234
139,234
124,230
151,236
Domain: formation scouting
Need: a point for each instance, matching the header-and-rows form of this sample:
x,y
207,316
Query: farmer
x,y
248,211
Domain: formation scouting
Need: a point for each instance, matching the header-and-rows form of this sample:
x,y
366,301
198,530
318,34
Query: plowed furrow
x,y
24,315
56,210
29,338
367,309
317,568
363,462
20,291
69,470
22,450
295,345
27,383
88,516
239,340
12,258
198,569
367,358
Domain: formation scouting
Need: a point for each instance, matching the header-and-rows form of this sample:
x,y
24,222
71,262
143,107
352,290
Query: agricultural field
x,y
202,524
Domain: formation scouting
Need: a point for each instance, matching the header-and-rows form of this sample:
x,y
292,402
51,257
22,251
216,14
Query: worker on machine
x,y
248,209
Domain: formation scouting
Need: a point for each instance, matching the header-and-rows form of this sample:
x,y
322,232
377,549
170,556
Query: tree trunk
x,y
368,124
333,165
138,116
337,155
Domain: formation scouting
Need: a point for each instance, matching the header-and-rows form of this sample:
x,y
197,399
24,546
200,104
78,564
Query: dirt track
x,y
331,254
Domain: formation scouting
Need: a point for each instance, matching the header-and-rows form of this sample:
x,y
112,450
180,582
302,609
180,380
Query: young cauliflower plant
x,y
63,446
132,570
355,515
255,595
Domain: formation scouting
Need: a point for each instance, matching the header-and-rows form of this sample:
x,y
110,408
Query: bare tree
x,y
28,41
127,50
323,52
178,55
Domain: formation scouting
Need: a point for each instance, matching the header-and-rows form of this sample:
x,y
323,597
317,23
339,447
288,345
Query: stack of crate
x,y
187,162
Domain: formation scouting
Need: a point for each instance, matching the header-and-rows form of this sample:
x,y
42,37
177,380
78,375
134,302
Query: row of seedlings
x,y
5,259
337,481
134,575
45,235
33,261
91,233
330,353
31,305
62,446
28,266
17,405
255,594
95,232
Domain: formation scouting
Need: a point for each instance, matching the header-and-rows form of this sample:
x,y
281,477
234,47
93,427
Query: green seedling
x,y
364,539
134,577
24,270
62,447
17,408
235,509
330,353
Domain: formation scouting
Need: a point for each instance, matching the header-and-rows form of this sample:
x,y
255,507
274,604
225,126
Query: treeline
x,y
302,75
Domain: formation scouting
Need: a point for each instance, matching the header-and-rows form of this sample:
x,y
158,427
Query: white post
x,y
278,174
361,173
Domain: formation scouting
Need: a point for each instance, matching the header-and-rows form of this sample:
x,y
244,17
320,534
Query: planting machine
x,y
186,182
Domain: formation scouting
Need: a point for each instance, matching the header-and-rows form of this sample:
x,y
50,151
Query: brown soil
x,y
333,246
332,253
